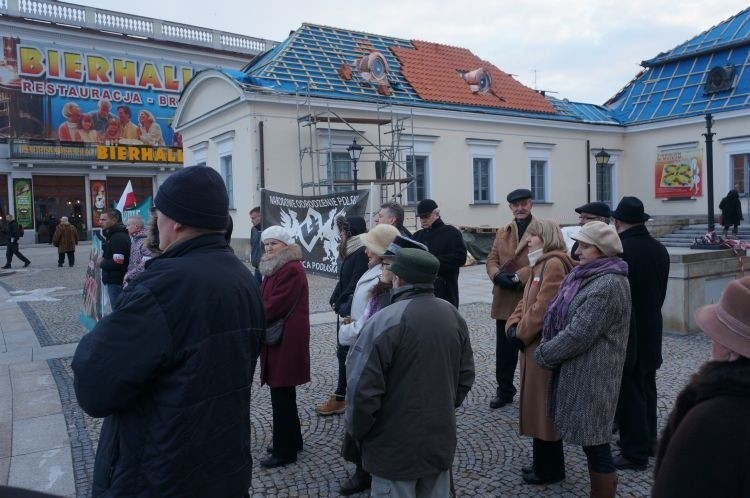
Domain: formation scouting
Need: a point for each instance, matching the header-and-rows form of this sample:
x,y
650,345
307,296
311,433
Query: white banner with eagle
x,y
311,222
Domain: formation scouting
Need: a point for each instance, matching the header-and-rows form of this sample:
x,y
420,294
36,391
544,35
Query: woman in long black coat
x,y
731,212
352,264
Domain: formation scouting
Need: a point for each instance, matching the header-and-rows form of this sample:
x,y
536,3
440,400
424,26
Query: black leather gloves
x,y
506,280
514,340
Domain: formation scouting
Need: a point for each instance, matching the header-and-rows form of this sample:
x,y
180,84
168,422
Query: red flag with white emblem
x,y
127,199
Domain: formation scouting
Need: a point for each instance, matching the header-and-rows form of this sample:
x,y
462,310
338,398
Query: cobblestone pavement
x,y
490,452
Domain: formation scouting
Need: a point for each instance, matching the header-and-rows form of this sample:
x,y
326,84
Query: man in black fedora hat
x,y
446,243
591,211
648,272
508,269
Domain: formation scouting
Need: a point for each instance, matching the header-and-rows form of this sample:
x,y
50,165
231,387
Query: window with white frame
x,y
418,164
416,167
539,180
340,167
483,153
224,146
737,150
539,170
482,175
605,184
200,153
228,175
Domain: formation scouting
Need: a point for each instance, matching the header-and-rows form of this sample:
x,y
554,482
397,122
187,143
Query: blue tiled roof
x,y
588,113
307,62
673,83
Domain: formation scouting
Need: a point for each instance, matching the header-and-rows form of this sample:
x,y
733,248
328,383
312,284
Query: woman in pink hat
x,y
705,446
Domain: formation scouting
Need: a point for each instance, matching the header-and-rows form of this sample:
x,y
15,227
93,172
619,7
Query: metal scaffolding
x,y
387,140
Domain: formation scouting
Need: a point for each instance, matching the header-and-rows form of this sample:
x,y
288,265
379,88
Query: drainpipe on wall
x,y
262,152
588,171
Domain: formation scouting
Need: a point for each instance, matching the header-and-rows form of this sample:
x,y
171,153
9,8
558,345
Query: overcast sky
x,y
584,50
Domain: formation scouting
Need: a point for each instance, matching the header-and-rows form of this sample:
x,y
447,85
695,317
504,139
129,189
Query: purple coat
x,y
287,363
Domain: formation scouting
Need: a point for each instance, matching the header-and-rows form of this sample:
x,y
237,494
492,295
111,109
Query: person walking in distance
x,y
14,233
65,239
508,269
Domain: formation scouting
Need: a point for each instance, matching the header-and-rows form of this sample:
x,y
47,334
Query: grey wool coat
x,y
587,357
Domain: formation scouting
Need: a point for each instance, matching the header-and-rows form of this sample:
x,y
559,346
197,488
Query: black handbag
x,y
275,330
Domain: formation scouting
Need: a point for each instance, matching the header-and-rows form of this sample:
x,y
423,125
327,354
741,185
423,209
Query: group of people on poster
x,y
102,126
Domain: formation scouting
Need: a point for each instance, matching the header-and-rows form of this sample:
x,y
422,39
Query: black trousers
x,y
341,352
10,251
506,359
549,459
287,433
636,415
71,258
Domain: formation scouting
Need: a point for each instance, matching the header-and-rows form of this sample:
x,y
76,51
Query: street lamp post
x,y
710,171
354,150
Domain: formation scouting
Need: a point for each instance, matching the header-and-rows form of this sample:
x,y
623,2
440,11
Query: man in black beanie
x,y
171,367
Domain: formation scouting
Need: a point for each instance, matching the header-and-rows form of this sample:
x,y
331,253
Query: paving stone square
x,y
489,454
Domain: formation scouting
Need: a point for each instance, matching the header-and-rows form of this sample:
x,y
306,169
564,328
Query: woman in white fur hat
x,y
286,364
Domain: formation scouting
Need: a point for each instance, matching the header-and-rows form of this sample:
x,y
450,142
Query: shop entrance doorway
x,y
57,196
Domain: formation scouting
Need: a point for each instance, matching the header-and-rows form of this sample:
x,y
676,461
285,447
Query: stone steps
x,y
685,236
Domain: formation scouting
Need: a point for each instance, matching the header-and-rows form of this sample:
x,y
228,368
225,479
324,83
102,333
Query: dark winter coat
x,y
284,286
14,233
116,242
705,446
731,209
171,370
446,243
648,273
256,245
351,268
65,238
410,368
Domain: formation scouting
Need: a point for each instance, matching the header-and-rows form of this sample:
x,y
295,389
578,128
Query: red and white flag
x,y
127,199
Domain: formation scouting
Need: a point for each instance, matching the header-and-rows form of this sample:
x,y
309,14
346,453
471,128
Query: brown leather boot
x,y
333,406
603,485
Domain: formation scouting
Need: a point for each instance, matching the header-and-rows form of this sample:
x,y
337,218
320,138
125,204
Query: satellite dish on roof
x,y
373,67
479,80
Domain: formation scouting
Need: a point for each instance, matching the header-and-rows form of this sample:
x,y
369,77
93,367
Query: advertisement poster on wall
x,y
22,197
311,222
678,174
98,200
72,94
